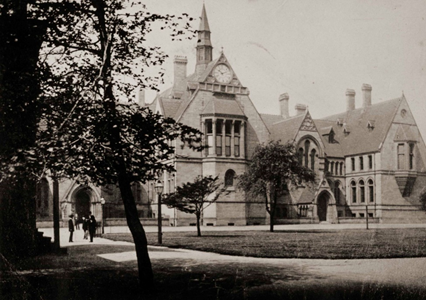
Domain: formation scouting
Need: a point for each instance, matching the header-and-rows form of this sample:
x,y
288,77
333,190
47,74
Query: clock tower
x,y
204,45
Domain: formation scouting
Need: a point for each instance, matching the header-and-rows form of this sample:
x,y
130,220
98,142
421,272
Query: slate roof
x,y
271,119
287,129
222,106
361,139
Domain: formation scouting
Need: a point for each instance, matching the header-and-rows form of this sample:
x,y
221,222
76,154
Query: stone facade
x,y
370,161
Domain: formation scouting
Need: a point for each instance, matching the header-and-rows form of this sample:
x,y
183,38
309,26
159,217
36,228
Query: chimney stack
x,y
283,99
366,95
179,83
300,109
140,97
350,99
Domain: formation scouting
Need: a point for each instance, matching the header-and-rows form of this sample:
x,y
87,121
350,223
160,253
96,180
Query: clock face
x,y
222,73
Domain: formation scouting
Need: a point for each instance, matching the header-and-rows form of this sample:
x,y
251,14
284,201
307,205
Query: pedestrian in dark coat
x,y
92,227
85,227
71,226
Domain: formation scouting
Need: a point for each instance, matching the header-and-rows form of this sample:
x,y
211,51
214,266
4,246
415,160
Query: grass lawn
x,y
330,244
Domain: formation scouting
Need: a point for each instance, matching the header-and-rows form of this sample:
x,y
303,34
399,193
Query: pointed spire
x,y
204,23
204,44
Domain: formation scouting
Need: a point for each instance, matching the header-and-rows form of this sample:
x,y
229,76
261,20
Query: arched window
x,y
337,169
313,153
337,192
307,145
300,156
362,191
371,190
353,188
229,178
332,167
341,168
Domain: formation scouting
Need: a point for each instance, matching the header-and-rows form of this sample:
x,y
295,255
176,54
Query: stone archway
x,y
322,206
83,199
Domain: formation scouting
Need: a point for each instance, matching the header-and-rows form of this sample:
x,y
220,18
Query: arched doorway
x,y
82,202
322,206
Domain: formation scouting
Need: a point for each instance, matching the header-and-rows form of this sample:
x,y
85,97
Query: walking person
x,y
71,226
85,228
92,227
77,222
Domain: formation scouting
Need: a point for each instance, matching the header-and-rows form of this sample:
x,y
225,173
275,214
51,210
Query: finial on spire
x,y
221,49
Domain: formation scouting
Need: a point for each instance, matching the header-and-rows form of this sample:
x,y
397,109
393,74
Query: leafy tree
x,y
272,169
21,38
94,56
194,197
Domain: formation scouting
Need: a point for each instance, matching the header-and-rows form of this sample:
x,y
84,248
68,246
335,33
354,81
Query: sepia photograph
x,y
187,149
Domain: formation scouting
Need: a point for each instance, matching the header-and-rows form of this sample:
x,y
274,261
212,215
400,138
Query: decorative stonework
x,y
308,124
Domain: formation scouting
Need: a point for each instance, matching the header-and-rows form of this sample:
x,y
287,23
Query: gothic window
x,y
361,163
401,156
313,153
411,162
341,168
353,189
353,163
332,167
362,191
370,161
336,168
229,177
371,190
307,145
300,156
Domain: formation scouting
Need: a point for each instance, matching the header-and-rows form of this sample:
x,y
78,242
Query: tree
x,y
272,169
93,58
194,197
21,38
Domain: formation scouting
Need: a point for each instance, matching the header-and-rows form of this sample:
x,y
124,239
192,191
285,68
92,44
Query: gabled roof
x,y
404,133
271,119
362,139
324,128
287,129
170,107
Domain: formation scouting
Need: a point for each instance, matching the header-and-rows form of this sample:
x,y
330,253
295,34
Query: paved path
x,y
406,272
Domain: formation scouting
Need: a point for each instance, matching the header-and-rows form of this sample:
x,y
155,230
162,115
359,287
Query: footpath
x,y
405,273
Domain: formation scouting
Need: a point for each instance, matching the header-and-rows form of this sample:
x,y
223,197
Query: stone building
x,y
370,161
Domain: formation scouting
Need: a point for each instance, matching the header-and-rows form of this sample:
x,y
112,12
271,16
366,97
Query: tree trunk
x,y
271,222
146,277
273,206
198,224
21,40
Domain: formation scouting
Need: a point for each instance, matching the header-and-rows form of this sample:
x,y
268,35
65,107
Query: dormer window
x,y
346,130
331,137
370,125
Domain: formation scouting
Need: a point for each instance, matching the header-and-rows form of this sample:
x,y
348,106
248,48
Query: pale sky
x,y
312,50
